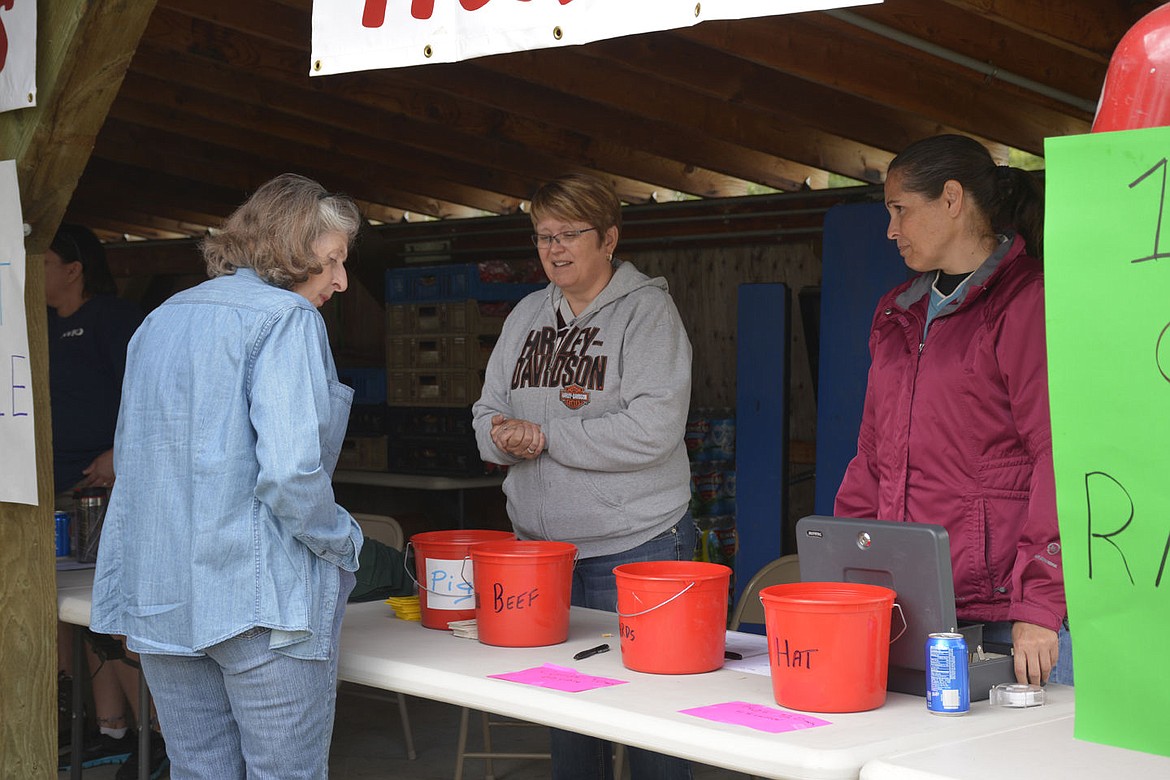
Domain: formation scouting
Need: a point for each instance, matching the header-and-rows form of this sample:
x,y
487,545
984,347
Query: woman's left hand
x,y
1036,650
99,473
518,438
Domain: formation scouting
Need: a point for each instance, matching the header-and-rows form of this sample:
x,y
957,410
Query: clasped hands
x,y
519,438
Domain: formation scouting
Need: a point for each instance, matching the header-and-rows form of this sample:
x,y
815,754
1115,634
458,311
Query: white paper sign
x,y
18,54
351,35
18,462
449,584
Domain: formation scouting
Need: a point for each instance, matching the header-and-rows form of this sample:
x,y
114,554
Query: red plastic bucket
x,y
522,591
828,644
445,575
673,615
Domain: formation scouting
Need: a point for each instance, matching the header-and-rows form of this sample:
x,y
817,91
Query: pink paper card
x,y
560,678
756,716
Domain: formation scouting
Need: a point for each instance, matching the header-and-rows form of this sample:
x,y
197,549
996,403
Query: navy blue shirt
x,y
87,356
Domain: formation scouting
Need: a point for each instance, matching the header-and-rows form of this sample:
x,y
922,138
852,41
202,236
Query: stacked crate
x,y
441,325
364,448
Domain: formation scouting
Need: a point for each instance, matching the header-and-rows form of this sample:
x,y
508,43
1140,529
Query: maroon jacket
x,y
956,432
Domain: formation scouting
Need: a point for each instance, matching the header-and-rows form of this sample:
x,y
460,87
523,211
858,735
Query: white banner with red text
x,y
18,54
353,35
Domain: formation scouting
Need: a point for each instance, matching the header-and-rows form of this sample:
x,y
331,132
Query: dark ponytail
x,y
1010,198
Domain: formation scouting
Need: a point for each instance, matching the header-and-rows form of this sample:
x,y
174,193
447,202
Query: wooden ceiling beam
x,y
494,156
734,81
500,134
140,209
680,110
233,167
989,39
128,223
171,258
616,138
273,21
219,118
179,198
819,48
1090,28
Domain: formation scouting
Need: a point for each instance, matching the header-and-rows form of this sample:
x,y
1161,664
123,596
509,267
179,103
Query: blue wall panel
x,y
858,265
761,426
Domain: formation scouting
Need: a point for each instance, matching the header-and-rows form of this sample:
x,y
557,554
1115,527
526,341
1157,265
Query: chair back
x,y
381,527
749,609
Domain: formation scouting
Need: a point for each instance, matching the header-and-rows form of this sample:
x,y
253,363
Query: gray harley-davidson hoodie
x,y
611,393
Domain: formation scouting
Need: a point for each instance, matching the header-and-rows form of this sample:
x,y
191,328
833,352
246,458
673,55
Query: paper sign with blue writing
x,y
351,35
18,462
1107,300
18,54
449,584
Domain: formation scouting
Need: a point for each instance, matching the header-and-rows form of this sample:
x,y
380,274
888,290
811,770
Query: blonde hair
x,y
579,197
273,232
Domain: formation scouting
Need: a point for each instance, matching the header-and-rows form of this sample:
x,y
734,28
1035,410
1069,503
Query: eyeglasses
x,y
564,238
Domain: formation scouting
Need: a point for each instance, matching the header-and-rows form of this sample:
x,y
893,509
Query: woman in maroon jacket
x,y
955,429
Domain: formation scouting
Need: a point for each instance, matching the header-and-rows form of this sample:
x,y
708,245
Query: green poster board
x,y
1107,300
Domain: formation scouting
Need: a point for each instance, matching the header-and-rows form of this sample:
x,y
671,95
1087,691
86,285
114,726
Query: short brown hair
x,y
273,232
579,196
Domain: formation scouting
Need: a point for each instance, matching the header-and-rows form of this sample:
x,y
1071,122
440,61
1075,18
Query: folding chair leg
x,y
489,771
462,746
619,760
407,734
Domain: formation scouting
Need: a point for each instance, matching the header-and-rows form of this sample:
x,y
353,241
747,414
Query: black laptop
x,y
914,560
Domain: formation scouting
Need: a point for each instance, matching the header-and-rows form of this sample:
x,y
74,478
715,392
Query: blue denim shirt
x,y
222,517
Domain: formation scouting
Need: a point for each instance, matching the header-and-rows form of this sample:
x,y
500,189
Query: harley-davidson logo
x,y
574,396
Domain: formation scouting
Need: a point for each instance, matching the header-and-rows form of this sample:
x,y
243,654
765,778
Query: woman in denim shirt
x,y
224,559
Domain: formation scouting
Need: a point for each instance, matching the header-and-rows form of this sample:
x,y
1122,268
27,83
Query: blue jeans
x,y
580,757
245,711
1062,673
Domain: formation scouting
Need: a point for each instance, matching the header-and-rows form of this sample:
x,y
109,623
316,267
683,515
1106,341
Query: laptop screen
x,y
912,559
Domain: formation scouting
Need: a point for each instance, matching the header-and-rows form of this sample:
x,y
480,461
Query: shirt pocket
x,y
340,400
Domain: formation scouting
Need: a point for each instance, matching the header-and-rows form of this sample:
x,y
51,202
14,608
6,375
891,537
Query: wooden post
x,y
83,50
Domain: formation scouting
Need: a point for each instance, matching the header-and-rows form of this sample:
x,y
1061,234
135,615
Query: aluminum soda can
x,y
61,530
948,690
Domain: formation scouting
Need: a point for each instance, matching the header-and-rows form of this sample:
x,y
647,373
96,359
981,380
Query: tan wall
x,y
705,283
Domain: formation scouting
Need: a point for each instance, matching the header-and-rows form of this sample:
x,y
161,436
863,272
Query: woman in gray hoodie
x,y
586,398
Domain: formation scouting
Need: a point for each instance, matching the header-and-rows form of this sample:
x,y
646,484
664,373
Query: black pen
x,y
731,655
591,651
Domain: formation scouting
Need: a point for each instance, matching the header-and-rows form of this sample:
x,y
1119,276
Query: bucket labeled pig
x,y
672,615
522,592
444,573
828,644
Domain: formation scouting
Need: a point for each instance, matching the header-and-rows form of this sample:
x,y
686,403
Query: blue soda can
x,y
948,691
61,525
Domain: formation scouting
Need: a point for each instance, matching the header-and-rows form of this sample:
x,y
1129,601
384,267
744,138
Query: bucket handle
x,y
905,625
463,571
406,567
656,606
467,558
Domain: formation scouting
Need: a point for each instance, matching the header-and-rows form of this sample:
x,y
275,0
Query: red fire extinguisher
x,y
1137,84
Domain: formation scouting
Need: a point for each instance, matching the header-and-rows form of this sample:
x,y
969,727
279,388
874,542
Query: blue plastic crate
x,y
448,283
430,283
369,384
